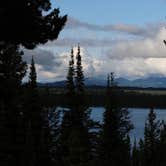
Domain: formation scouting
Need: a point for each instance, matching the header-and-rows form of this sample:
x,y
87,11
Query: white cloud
x,y
131,59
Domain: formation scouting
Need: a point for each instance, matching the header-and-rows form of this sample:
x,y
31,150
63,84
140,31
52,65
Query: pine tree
x,y
70,76
114,135
79,74
32,75
162,145
112,79
135,155
33,22
151,138
141,153
75,146
12,70
37,131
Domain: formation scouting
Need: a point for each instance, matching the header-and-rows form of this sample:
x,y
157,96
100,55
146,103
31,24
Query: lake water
x,y
138,118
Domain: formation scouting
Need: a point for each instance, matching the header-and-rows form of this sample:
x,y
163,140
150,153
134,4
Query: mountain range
x,y
154,82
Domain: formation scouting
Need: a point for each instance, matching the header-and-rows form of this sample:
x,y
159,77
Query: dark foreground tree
x,y
151,138
79,73
12,70
135,160
70,84
162,146
37,132
74,142
114,139
29,22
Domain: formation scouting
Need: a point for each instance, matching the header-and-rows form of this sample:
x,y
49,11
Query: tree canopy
x,y
29,22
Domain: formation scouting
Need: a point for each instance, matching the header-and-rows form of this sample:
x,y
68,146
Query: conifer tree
x,y
135,155
79,73
108,81
32,75
70,85
33,22
151,138
37,126
162,145
114,135
141,153
75,146
12,70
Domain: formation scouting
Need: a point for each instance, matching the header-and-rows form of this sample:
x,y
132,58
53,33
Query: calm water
x,y
138,118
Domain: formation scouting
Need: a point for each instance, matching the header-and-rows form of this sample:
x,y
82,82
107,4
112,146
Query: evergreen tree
x,y
108,81
135,155
32,75
112,79
162,145
75,147
79,74
74,141
141,153
12,70
151,138
33,22
37,132
70,76
114,135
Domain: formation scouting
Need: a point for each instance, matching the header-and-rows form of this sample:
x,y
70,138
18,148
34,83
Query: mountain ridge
x,y
154,82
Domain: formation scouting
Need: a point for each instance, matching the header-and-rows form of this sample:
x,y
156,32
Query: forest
x,y
34,133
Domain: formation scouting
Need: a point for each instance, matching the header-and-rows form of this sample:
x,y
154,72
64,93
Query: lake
x,y
138,118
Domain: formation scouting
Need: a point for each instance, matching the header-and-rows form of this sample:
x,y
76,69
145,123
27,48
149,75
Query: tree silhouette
x,y
70,85
12,70
114,139
33,22
151,138
37,132
32,75
79,74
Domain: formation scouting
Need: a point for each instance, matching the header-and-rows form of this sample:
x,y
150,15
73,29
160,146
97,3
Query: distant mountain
x,y
155,82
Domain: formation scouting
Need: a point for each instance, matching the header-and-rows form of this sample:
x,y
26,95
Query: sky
x,y
124,37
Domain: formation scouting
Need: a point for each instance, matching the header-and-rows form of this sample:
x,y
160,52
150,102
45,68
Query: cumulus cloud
x,y
135,58
150,47
42,57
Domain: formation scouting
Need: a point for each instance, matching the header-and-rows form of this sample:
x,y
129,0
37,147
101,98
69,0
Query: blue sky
x,y
114,11
125,37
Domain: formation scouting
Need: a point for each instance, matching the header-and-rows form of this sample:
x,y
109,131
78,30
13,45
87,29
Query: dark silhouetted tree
x,y
151,138
79,79
114,139
37,130
135,155
70,85
162,145
33,22
12,70
32,75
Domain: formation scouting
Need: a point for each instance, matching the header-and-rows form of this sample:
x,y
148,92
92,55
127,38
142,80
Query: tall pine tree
x,y
79,73
70,84
37,132
12,70
151,138
114,139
